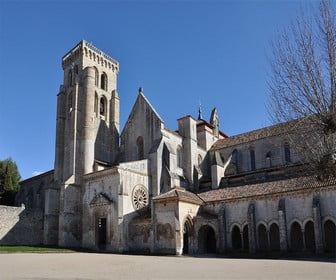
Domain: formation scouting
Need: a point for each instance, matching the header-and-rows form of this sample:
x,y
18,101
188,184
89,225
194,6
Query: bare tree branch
x,y
303,86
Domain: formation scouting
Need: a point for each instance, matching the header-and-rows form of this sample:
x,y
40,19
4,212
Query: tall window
x,y
179,156
268,159
287,153
70,102
96,77
102,107
140,147
252,159
70,78
103,81
199,159
96,104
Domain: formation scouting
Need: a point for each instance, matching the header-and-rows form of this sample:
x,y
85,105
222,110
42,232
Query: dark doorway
x,y
309,237
296,237
330,236
187,230
206,240
245,238
274,237
101,233
262,238
236,239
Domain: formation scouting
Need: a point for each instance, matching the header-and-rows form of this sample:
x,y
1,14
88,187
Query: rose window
x,y
139,197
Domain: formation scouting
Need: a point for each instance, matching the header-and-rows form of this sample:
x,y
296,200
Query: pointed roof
x,y
179,194
141,98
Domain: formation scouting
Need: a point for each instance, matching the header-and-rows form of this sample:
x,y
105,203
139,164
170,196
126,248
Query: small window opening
x,y
103,81
102,107
287,153
140,147
252,159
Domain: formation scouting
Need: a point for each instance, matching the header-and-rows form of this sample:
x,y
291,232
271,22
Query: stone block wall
x,y
20,226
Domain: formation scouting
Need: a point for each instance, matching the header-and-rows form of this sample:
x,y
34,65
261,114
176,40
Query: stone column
x,y
222,230
317,225
282,225
88,138
251,228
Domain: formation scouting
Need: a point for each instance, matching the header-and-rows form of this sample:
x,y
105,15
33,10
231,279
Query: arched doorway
x,y
309,236
187,231
101,230
274,237
206,240
262,238
236,239
245,238
330,236
296,237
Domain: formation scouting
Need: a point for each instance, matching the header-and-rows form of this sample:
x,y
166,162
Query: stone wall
x,y
20,226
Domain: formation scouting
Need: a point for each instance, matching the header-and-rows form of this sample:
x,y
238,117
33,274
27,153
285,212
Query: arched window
x,y
199,159
140,147
103,81
70,102
287,153
96,77
76,69
179,156
70,79
268,159
252,159
102,107
96,104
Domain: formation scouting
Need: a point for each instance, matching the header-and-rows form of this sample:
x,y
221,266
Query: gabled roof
x,y
279,188
274,130
179,194
141,98
100,200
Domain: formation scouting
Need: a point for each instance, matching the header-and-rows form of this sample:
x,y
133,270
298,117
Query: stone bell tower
x,y
87,130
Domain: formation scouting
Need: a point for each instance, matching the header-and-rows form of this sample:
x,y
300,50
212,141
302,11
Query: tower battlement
x,y
87,50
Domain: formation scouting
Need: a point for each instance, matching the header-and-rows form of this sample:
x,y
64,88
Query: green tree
x,y
9,181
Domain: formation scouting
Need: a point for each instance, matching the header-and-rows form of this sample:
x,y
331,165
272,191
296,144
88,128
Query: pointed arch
x,y
102,106
103,81
179,156
96,76
140,147
70,78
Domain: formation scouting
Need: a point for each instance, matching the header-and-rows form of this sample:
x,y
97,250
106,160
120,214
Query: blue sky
x,y
180,52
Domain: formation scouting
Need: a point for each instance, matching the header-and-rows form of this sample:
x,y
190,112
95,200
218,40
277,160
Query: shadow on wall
x,y
20,226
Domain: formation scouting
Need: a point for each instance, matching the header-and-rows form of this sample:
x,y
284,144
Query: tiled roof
x,y
253,135
179,194
268,188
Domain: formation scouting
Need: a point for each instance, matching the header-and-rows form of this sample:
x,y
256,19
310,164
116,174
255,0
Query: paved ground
x,y
108,266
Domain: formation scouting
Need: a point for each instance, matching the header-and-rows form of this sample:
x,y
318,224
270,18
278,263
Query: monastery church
x,y
146,188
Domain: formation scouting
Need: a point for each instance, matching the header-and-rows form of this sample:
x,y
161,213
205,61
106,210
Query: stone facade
x,y
194,190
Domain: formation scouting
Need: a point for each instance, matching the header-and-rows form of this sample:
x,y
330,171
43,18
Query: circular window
x,y
139,197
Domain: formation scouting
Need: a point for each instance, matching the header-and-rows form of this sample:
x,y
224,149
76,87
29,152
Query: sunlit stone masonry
x,y
147,188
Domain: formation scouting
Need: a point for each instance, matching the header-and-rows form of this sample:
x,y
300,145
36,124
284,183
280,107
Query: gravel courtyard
x,y
110,266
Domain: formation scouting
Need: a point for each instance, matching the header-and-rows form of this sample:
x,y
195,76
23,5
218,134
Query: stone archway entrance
x,y
187,232
207,240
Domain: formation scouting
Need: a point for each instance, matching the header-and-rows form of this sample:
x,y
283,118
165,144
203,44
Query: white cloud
x,y
35,173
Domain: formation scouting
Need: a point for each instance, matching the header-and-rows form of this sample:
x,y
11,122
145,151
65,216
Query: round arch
x,y
207,240
296,236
